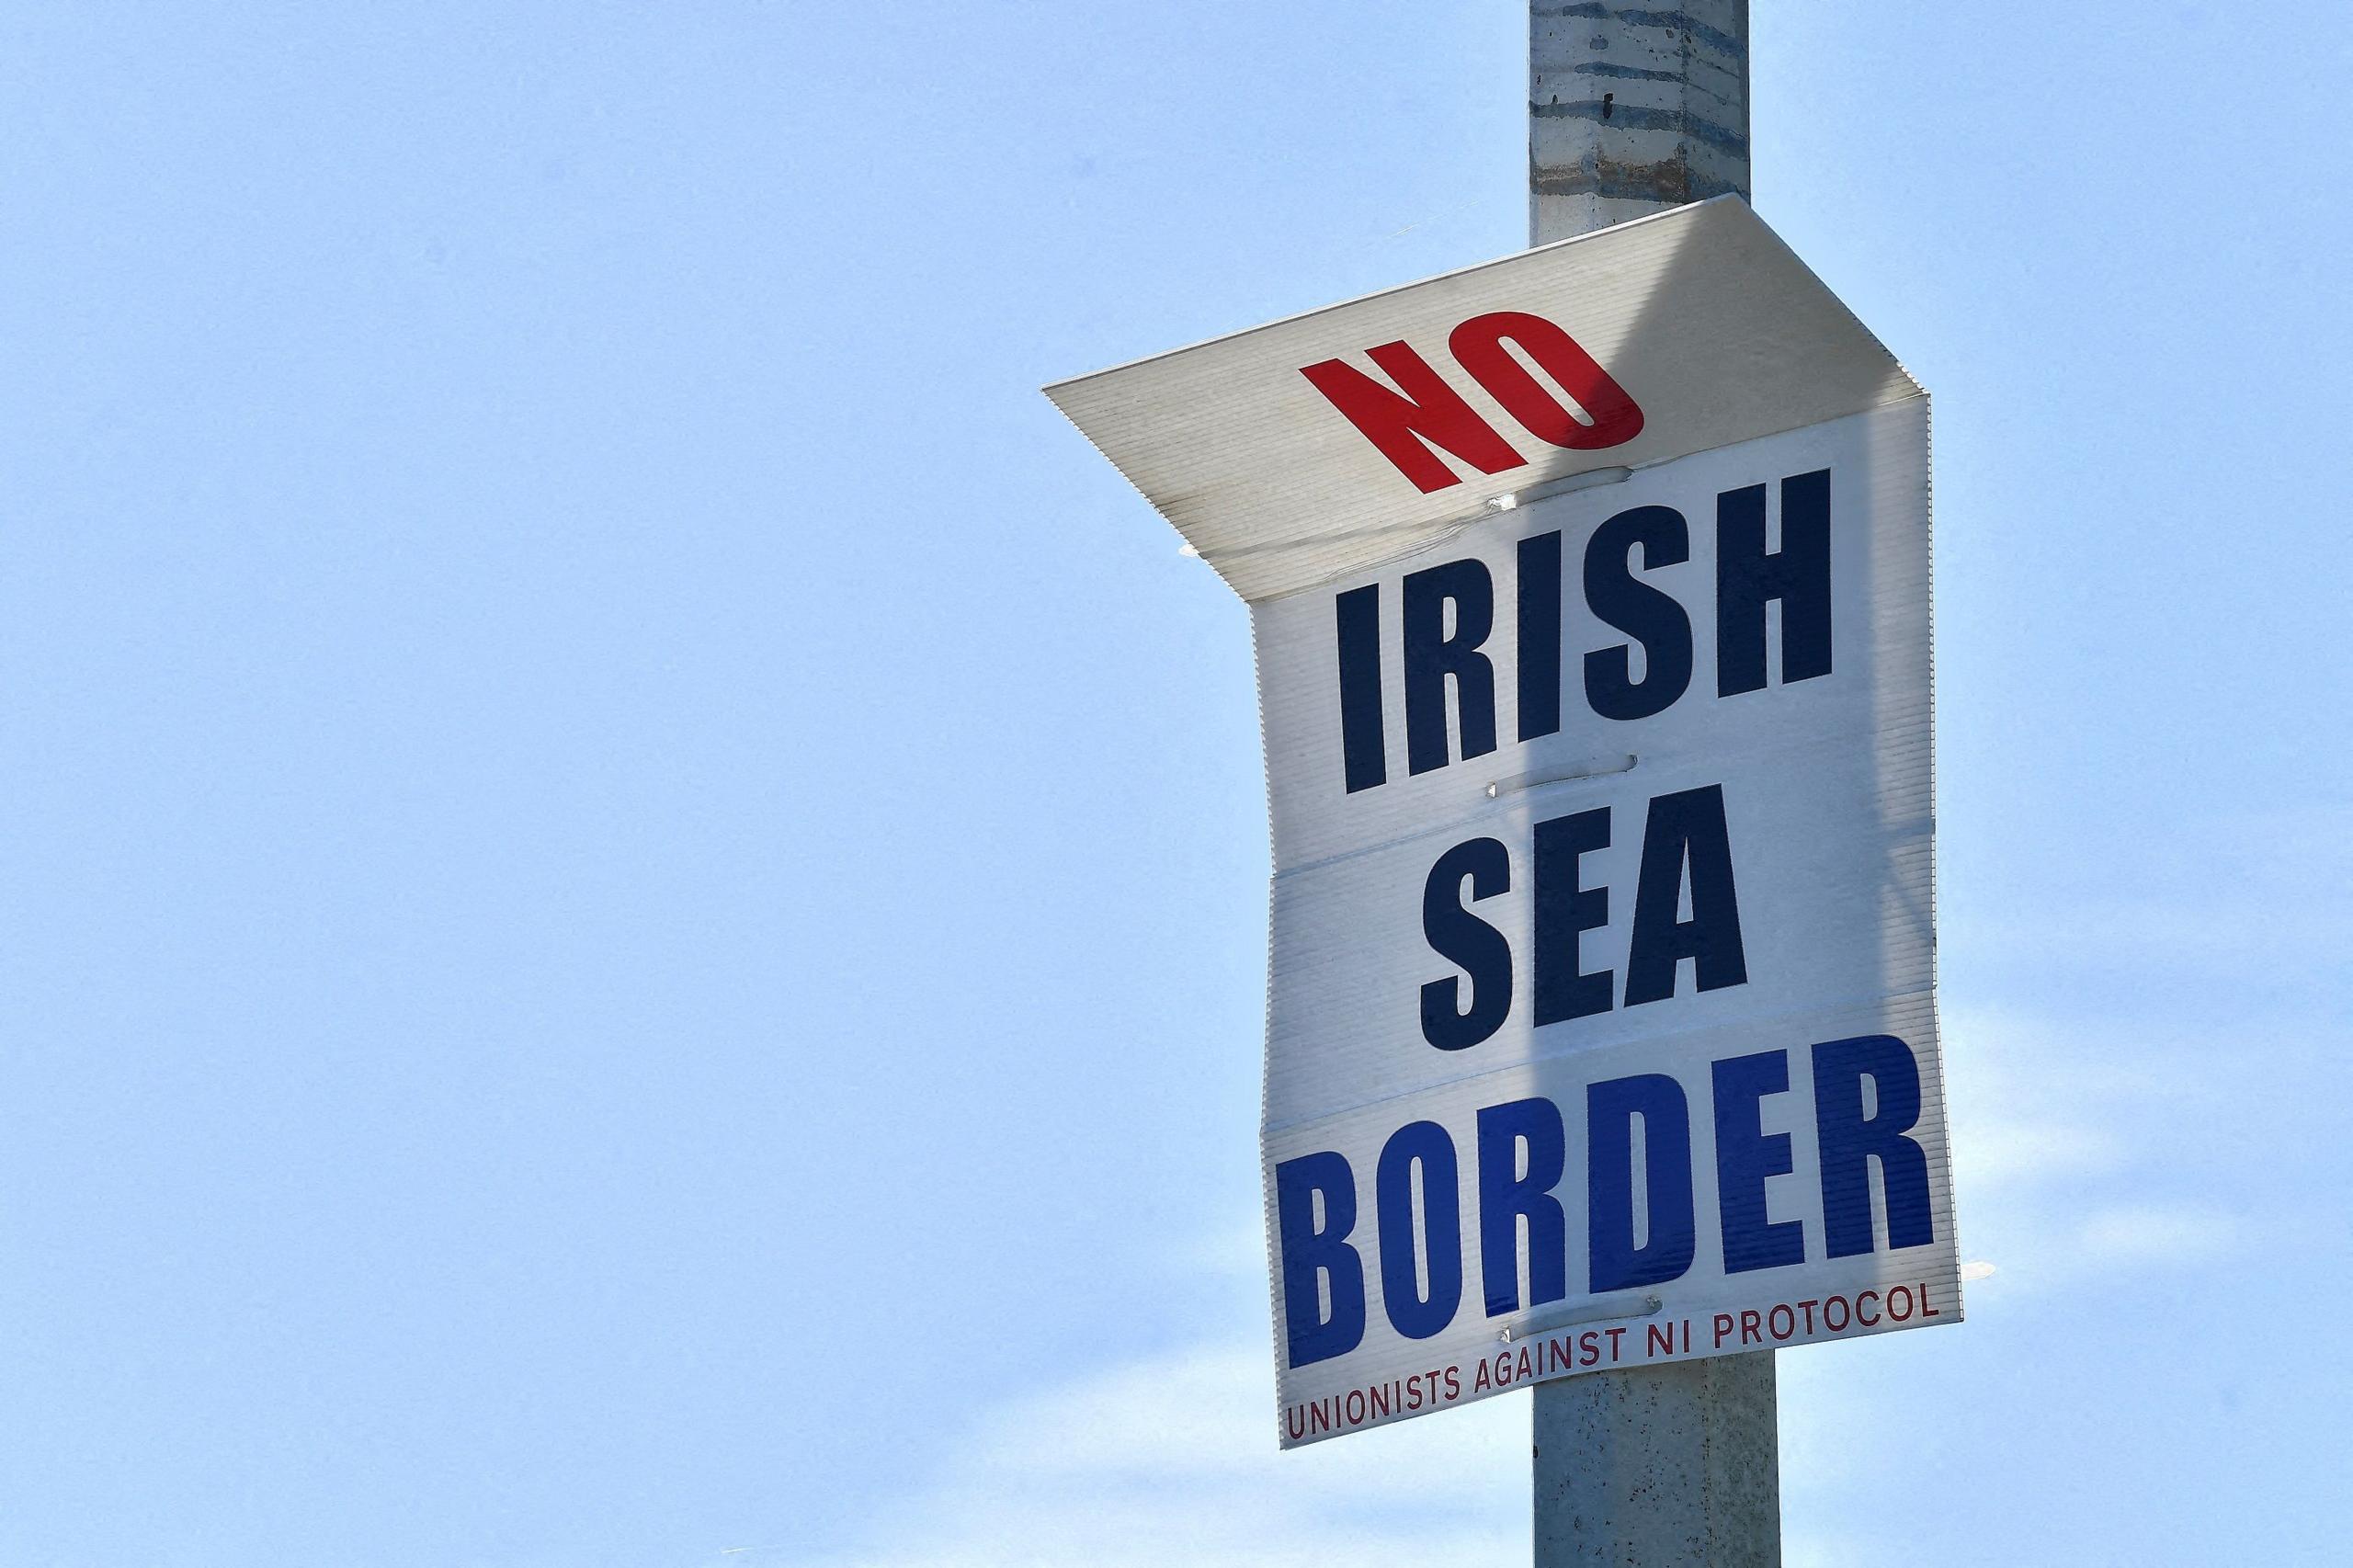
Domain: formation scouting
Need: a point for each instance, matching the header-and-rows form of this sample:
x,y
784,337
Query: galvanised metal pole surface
x,y
1634,109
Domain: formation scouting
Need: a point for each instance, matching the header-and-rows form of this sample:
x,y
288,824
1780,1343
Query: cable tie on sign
x,y
1591,767
1430,530
1603,1310
1591,479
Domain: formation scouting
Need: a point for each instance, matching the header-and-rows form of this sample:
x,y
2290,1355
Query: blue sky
x,y
634,918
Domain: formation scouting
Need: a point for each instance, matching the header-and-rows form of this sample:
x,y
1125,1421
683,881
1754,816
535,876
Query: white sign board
x,y
1590,591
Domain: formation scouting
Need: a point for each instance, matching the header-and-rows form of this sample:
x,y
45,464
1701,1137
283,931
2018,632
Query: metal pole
x,y
1633,110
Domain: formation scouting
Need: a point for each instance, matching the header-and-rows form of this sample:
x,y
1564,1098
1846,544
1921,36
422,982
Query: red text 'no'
x,y
1421,416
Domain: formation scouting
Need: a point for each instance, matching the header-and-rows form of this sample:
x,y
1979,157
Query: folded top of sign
x,y
1295,452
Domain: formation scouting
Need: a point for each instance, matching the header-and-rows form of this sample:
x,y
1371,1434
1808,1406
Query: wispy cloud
x,y
2158,1234
1171,1460
2070,1147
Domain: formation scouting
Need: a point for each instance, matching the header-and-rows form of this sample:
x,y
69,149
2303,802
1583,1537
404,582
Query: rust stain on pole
x,y
1634,109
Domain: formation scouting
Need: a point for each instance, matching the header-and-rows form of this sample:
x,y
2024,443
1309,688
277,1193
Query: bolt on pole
x,y
1633,111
